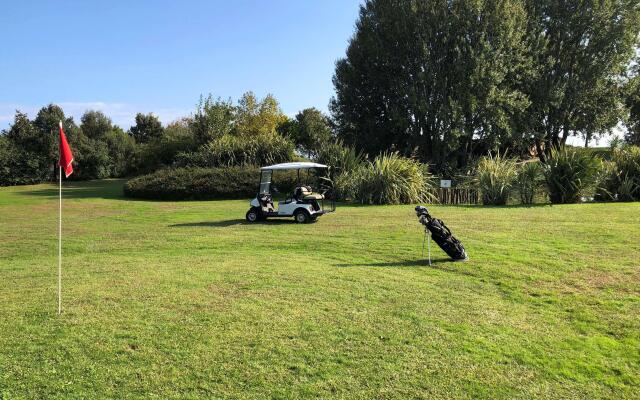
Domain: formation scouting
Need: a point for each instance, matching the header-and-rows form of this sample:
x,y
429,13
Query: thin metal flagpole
x,y
60,247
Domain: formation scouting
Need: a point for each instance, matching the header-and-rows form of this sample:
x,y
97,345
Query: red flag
x,y
66,157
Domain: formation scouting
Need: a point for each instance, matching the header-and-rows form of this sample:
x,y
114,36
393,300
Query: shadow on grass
x,y
103,189
438,205
442,264
231,222
480,206
212,224
400,263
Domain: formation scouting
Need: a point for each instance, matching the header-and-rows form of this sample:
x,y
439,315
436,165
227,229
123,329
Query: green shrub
x,y
91,159
195,184
569,173
341,158
389,179
529,178
620,178
205,183
162,151
230,150
122,151
20,167
495,177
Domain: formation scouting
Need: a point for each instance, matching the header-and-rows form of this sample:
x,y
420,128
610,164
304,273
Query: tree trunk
x,y
587,139
541,154
565,135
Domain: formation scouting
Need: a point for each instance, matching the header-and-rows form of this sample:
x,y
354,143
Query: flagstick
x,y
60,248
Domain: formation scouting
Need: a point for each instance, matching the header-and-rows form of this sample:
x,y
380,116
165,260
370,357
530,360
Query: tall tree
x,y
122,152
29,152
95,124
213,118
632,102
46,123
581,49
147,127
255,117
432,77
310,130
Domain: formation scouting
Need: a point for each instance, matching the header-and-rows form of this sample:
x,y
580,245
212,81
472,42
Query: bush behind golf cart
x,y
201,184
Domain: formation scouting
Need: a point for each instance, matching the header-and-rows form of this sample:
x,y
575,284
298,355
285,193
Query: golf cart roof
x,y
294,165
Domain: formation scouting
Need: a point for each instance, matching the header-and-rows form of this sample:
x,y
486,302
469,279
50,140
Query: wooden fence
x,y
458,196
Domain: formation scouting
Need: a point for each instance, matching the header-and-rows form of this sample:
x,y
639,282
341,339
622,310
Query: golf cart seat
x,y
305,193
266,202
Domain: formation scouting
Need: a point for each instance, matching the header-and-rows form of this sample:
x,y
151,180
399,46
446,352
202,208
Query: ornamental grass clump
x,y
528,181
388,179
620,178
495,176
569,173
341,158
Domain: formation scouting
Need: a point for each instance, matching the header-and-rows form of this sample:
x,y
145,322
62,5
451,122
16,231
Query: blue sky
x,y
124,57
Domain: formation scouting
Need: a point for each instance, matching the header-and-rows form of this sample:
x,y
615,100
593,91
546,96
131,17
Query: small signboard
x,y
445,183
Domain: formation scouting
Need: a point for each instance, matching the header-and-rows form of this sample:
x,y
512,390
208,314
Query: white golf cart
x,y
305,204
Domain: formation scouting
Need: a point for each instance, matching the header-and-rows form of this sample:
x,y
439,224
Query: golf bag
x,y
441,235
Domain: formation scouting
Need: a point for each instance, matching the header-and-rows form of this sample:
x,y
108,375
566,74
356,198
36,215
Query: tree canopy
x,y
147,127
310,130
632,102
447,80
581,51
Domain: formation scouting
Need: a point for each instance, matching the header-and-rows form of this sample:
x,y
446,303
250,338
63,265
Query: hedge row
x,y
195,184
204,183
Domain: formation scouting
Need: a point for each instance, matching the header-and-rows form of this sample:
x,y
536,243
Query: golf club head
x,y
421,210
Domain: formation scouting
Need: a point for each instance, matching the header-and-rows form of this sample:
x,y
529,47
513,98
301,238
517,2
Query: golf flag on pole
x,y
66,157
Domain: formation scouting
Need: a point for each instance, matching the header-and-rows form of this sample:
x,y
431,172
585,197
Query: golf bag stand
x,y
441,235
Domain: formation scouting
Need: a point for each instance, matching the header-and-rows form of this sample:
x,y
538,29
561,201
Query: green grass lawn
x,y
185,300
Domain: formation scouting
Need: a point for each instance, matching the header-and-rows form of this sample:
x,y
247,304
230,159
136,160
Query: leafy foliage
x,y
163,151
310,130
342,159
568,173
454,79
213,118
231,150
436,77
46,125
122,151
25,153
495,176
620,178
581,49
632,102
95,124
147,128
91,158
257,117
219,134
528,181
195,184
388,179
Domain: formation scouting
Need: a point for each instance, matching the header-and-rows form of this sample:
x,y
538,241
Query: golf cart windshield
x,y
265,181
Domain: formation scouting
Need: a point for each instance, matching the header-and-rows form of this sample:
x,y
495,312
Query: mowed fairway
x,y
185,300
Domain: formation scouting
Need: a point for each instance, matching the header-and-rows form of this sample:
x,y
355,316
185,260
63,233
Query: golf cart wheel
x,y
253,215
301,216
